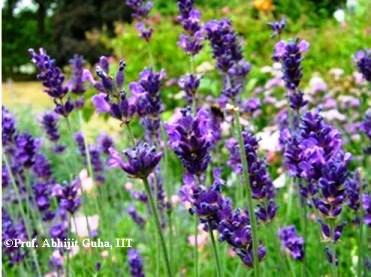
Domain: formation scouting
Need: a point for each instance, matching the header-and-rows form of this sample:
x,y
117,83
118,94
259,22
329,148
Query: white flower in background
x,y
87,182
352,4
280,181
269,139
340,16
79,224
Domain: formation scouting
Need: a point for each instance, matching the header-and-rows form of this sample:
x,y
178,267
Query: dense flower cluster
x,y
189,84
366,204
228,54
191,138
291,242
26,149
135,263
13,231
76,83
353,191
261,184
235,229
141,160
190,18
209,204
290,55
42,192
146,94
52,78
68,196
278,26
141,10
363,61
8,127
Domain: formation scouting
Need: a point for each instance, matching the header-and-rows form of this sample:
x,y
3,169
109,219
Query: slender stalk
x,y
333,265
360,248
250,204
158,226
215,250
33,252
195,254
305,234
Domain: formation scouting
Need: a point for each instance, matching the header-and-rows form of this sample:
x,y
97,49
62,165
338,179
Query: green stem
x,y
250,204
33,252
305,234
360,248
195,254
158,226
215,250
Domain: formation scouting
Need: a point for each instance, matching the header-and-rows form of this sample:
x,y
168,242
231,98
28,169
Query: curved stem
x,y
250,204
33,252
158,226
215,250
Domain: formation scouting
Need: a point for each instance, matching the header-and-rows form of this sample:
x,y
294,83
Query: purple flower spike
x,y
291,242
135,263
49,122
363,60
76,83
141,8
260,181
68,196
353,191
8,127
191,138
290,55
140,160
51,75
278,26
366,204
26,149
135,216
105,142
228,54
189,83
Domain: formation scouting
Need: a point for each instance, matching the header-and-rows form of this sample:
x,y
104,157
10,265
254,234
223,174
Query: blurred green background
x,y
335,29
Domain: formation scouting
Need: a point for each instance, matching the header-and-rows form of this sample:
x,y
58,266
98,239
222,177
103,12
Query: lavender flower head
x,y
353,191
190,18
104,143
363,60
68,196
260,181
76,83
135,216
366,204
49,122
141,10
42,167
291,242
189,84
235,229
135,263
141,160
366,124
191,140
42,193
26,149
290,55
228,54
209,204
278,26
50,74
13,231
8,127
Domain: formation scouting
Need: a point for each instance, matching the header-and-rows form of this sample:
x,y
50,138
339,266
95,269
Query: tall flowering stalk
x,y
140,162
